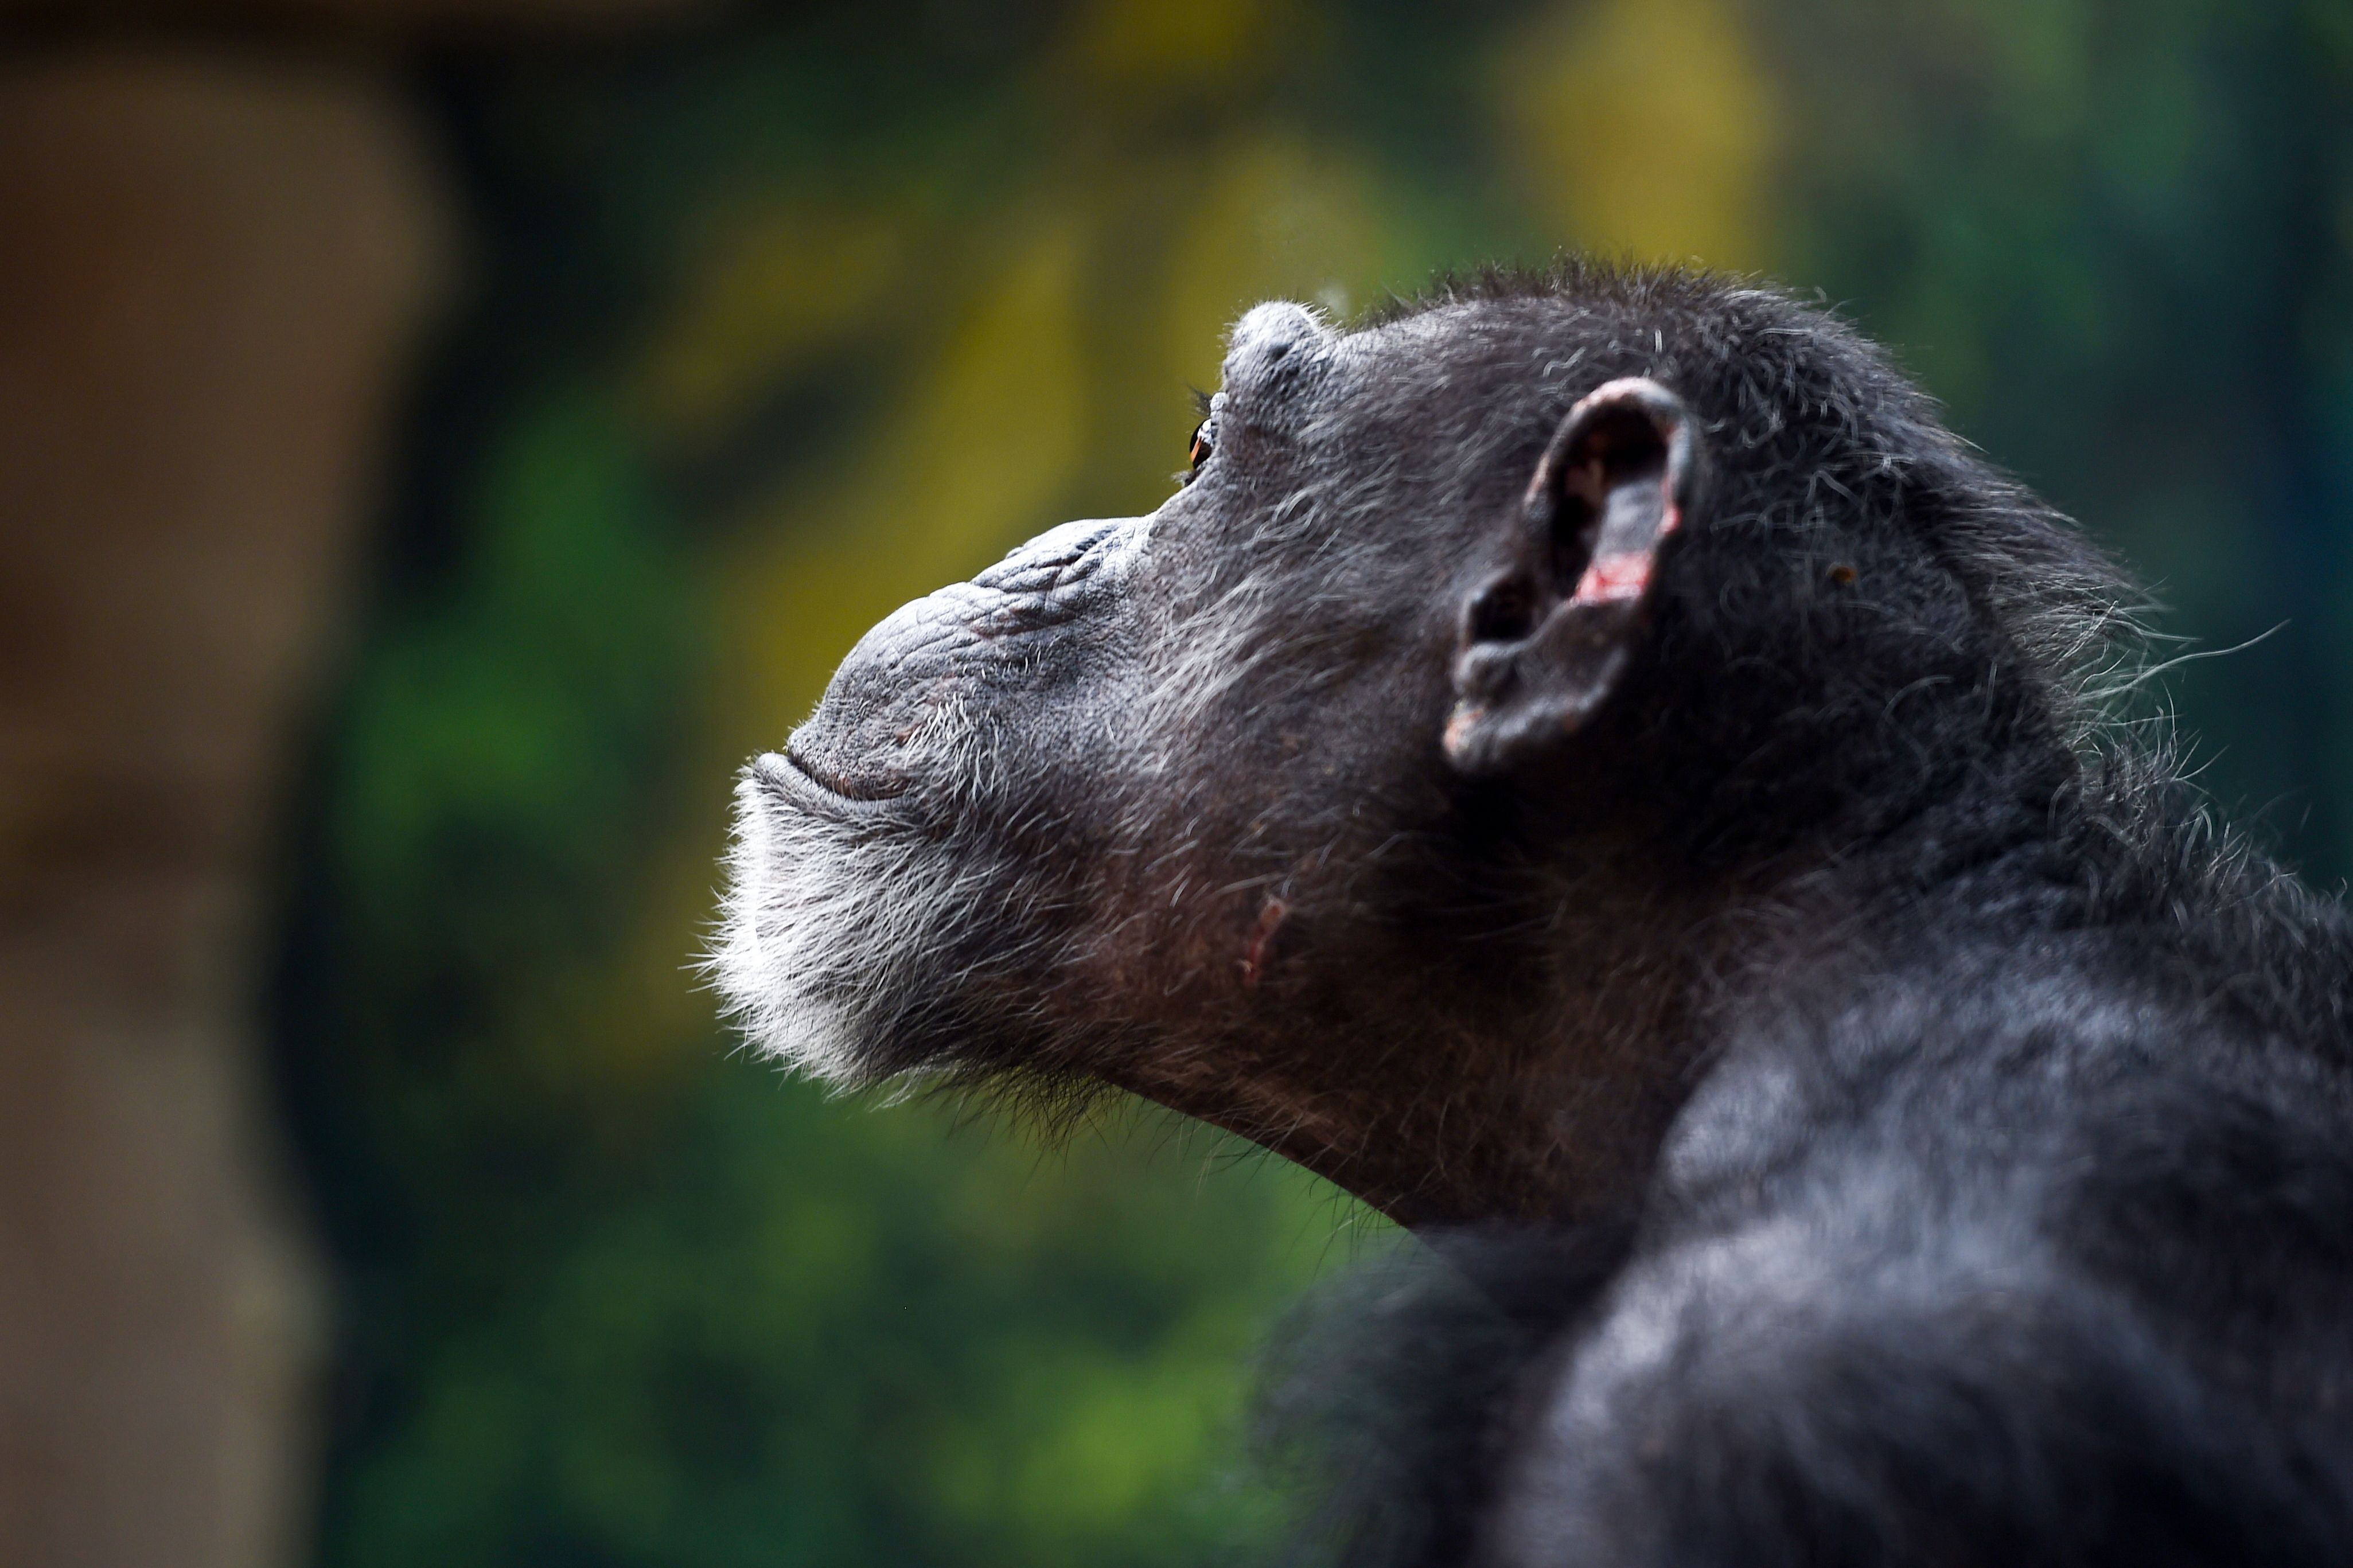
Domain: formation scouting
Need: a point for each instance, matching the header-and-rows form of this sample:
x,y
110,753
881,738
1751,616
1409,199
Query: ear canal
x,y
1545,642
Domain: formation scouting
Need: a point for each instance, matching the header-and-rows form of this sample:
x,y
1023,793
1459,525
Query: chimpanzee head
x,y
1381,795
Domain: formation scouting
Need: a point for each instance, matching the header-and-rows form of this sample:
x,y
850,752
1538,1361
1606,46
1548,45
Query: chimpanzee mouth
x,y
793,775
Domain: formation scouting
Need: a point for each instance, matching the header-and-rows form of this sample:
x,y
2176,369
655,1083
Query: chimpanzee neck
x,y
1542,1093
1657,951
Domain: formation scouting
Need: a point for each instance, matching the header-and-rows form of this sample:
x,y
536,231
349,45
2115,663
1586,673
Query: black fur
x,y
1881,1119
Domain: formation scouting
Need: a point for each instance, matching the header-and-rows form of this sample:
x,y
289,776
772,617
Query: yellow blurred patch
x,y
1645,127
1273,220
1123,42
780,284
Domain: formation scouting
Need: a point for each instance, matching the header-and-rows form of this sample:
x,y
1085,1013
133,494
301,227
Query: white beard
x,y
831,933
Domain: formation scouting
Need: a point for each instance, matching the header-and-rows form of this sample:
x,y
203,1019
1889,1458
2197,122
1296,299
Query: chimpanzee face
x,y
1152,786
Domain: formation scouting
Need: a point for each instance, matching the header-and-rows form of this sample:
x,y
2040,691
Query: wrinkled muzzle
x,y
907,691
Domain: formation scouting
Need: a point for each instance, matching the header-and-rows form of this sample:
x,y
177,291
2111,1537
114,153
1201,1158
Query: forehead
x,y
1289,371
1443,412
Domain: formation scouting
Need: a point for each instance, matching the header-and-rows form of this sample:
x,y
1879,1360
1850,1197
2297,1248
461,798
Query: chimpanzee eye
x,y
1203,445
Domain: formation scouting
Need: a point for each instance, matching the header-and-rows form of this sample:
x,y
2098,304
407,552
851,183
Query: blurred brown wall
x,y
213,270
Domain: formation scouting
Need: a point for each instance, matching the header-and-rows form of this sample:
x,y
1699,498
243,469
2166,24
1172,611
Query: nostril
x,y
1503,611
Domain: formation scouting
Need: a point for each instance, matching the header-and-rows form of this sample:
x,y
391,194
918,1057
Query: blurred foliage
x,y
779,324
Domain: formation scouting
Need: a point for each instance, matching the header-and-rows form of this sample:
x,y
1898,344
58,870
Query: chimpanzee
x,y
1588,763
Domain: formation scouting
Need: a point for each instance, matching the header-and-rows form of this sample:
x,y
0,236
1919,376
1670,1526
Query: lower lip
x,y
788,776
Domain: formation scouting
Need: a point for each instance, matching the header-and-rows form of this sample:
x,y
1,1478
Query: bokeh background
x,y
439,439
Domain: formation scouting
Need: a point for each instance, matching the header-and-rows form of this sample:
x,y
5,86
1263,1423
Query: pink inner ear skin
x,y
1626,574
1609,579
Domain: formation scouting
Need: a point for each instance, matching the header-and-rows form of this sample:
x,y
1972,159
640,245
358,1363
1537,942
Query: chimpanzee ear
x,y
1545,641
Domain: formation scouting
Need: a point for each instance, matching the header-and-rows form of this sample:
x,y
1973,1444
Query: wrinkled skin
x,y
1590,754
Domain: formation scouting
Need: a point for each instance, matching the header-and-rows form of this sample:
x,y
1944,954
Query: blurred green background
x,y
786,317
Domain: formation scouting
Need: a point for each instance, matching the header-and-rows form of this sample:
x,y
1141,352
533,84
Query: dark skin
x,y
1590,756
